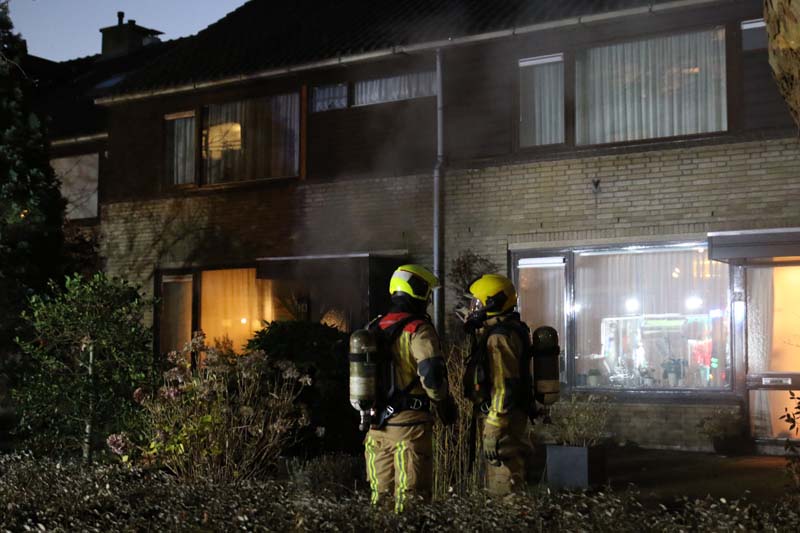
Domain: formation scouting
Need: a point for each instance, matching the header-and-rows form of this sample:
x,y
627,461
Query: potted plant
x,y
727,430
593,377
576,456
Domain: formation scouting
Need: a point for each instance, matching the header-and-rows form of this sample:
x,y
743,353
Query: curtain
x,y
180,150
252,139
615,293
403,87
327,97
660,87
285,135
233,304
541,103
175,327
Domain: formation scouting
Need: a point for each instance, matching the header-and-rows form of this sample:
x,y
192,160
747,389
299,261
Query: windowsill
x,y
727,395
193,188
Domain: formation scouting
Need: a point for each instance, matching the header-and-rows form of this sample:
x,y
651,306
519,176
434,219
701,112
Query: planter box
x,y
575,467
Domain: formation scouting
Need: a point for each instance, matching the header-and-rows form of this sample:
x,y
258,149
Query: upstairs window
x,y
405,87
541,100
662,87
328,97
252,139
180,149
78,176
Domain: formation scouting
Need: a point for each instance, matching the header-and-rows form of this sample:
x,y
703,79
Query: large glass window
x,y
180,148
541,100
252,139
661,87
404,87
652,318
175,325
78,175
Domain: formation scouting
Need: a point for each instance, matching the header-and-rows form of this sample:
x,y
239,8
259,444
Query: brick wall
x,y
641,196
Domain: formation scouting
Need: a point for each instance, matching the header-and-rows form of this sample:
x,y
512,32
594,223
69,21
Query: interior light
x,y
715,313
632,305
243,321
676,273
577,308
738,311
693,303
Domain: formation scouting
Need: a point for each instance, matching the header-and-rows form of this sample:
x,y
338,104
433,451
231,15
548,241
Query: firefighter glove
x,y
491,449
447,411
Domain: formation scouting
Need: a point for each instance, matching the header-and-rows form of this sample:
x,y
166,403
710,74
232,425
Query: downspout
x,y
438,175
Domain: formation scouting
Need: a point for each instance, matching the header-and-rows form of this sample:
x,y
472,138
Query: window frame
x,y
733,79
733,388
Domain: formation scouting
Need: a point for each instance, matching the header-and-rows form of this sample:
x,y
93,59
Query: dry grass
x,y
456,469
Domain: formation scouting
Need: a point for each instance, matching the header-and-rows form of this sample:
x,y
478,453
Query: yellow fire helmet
x,y
414,280
495,293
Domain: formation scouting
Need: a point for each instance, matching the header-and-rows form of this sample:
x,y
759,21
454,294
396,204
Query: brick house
x,y
629,163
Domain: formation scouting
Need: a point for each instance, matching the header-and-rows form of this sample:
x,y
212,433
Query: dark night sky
x,y
66,29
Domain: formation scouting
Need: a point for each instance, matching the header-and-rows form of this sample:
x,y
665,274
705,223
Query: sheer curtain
x,y
233,305
180,150
285,135
684,283
403,87
327,97
78,175
660,87
541,100
760,305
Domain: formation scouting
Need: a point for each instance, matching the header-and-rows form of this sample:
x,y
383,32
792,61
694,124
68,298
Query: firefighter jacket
x,y
505,362
419,368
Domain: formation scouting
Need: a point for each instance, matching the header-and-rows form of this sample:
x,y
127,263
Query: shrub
x,y
90,351
792,418
578,421
330,471
320,351
229,420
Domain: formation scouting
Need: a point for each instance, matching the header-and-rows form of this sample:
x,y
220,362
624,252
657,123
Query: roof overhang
x,y
342,60
756,248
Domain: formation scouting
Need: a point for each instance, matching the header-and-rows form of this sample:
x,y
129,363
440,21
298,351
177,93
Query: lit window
x,y
180,149
252,139
328,97
78,175
175,324
541,100
661,87
643,326
404,87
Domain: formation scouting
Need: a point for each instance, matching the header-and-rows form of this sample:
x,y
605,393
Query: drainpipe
x,y
438,175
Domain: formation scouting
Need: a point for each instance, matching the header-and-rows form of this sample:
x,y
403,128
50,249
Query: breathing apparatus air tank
x,y
363,375
545,351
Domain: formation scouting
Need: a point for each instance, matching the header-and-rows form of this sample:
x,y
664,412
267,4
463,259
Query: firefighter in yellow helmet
x,y
398,447
498,380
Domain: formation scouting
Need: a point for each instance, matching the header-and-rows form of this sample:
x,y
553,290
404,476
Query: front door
x,y
773,347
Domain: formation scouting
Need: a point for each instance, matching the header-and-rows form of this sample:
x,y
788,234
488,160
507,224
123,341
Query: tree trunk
x,y
782,18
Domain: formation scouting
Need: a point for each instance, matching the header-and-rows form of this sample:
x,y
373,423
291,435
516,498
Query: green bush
x,y
89,353
578,420
319,351
227,420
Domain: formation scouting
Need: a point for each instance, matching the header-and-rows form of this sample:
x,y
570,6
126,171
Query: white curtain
x,y
683,283
541,101
233,304
327,97
285,135
660,87
180,150
403,87
78,175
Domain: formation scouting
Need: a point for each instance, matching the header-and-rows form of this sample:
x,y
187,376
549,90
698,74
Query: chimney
x,y
123,39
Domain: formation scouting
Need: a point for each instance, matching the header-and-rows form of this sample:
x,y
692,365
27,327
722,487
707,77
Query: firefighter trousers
x,y
515,450
400,461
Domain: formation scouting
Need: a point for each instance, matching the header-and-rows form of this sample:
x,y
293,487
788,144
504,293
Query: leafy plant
x,y
89,352
792,418
464,269
723,423
320,351
579,421
227,421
